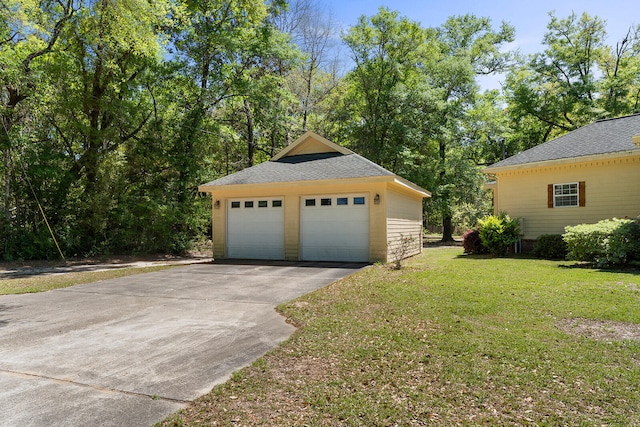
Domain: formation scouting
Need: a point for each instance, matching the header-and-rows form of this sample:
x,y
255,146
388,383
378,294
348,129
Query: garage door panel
x,y
335,232
255,230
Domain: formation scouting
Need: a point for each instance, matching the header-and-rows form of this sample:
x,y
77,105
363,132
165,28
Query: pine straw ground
x,y
448,340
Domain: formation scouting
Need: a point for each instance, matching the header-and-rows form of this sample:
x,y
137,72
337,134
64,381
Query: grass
x,y
448,340
41,283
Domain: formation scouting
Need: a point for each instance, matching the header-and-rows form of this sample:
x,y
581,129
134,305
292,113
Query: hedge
x,y
610,242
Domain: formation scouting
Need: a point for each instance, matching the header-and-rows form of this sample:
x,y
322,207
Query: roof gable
x,y
599,138
310,143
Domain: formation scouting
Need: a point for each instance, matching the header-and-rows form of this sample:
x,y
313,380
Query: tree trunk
x,y
274,142
7,188
447,223
251,143
307,96
287,137
447,229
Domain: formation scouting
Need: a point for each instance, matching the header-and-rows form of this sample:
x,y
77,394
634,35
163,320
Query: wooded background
x,y
114,111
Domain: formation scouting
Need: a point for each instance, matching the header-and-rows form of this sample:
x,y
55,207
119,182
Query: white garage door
x,y
255,228
334,228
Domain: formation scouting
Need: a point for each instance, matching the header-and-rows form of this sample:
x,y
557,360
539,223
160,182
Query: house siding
x,y
611,191
378,224
404,219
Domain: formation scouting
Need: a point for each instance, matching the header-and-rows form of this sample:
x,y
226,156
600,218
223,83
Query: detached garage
x,y
315,201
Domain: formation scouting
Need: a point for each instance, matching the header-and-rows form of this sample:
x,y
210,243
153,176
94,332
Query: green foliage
x,y
114,135
550,246
607,243
576,80
408,97
114,112
497,233
32,244
386,49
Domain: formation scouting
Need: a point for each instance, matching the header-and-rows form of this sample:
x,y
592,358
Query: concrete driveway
x,y
130,351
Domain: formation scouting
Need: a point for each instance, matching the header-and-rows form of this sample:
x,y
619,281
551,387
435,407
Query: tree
x,y
407,98
620,84
576,80
485,130
97,101
467,46
388,51
261,87
237,57
29,31
312,29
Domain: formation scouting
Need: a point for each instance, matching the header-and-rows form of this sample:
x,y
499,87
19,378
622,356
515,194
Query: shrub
x,y
497,233
401,249
472,243
550,246
607,243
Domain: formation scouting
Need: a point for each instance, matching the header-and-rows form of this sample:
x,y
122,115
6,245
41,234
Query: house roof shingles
x,y
601,137
305,167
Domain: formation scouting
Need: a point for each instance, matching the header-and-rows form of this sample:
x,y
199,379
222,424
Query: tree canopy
x,y
114,111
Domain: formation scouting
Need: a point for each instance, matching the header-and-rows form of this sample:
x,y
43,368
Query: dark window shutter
x,y
581,193
550,196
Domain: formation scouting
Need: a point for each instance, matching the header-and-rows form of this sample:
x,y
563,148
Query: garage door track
x,y
133,350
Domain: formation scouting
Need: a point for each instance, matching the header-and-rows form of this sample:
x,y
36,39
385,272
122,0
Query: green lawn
x,y
47,282
448,340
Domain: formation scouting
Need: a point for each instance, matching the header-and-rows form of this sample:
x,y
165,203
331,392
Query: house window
x,y
276,204
263,204
567,195
340,201
325,202
235,205
310,202
248,204
358,200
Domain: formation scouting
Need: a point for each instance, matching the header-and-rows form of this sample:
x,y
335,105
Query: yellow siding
x,y
611,191
378,224
291,194
219,227
404,219
311,143
310,146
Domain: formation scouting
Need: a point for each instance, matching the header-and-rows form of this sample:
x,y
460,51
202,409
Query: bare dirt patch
x,y
601,330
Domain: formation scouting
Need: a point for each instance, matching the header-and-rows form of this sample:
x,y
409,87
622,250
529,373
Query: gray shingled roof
x,y
601,137
305,167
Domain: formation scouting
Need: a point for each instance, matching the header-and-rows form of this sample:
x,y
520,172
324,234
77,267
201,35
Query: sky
x,y
530,18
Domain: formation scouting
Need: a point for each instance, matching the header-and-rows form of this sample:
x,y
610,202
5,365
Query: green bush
x,y
497,233
610,242
550,246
